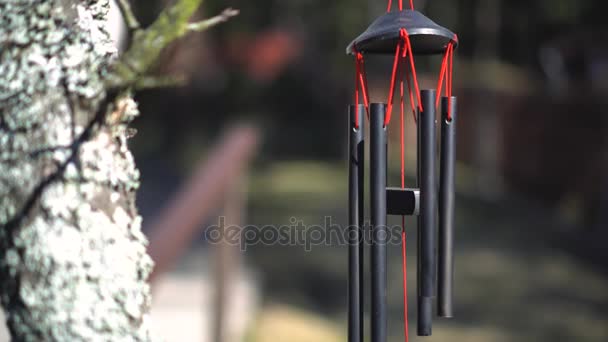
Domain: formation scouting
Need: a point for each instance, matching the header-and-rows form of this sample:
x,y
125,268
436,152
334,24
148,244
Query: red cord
x,y
360,81
446,74
407,52
451,73
412,65
356,92
448,89
390,4
391,90
364,92
444,66
411,95
363,80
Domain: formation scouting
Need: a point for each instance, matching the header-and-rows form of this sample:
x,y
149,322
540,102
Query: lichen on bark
x,y
73,261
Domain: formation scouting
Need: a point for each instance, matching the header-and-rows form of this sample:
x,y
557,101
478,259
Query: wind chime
x,y
404,34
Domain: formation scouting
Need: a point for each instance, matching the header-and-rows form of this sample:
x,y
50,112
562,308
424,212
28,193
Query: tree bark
x,y
73,261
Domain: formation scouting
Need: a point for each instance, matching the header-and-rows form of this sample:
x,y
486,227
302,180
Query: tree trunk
x,y
73,262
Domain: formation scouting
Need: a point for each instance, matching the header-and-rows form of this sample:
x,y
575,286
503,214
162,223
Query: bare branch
x,y
147,44
218,19
148,82
127,12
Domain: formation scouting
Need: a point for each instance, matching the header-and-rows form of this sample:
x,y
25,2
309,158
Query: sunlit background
x,y
258,135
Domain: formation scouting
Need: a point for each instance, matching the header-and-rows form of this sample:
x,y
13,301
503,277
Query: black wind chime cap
x,y
382,35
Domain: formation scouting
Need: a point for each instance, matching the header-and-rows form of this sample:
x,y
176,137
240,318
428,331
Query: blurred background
x,y
258,135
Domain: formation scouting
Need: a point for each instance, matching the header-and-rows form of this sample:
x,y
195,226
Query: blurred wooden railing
x,y
217,185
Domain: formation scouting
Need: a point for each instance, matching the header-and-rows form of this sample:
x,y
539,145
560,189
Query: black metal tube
x,y
427,216
355,222
378,221
445,286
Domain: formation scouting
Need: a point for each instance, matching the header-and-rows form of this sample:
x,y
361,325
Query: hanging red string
x,y
360,81
411,95
390,4
451,73
356,91
391,91
444,66
406,36
446,75
404,72
404,46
